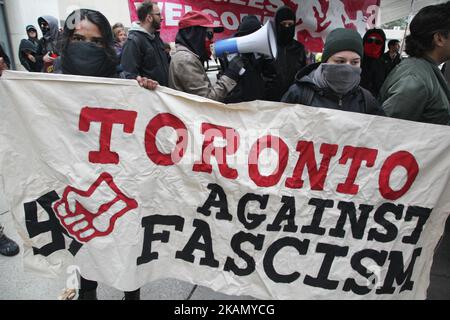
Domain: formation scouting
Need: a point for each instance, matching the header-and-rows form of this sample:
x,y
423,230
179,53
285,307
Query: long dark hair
x,y
428,21
96,18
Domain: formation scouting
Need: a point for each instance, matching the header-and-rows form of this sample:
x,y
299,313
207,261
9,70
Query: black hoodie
x,y
279,73
373,69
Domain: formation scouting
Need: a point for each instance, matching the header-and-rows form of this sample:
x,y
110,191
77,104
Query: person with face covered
x,y
335,82
87,49
48,48
28,51
193,48
373,66
143,53
280,73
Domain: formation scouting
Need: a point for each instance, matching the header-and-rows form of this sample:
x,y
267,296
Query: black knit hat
x,y
342,40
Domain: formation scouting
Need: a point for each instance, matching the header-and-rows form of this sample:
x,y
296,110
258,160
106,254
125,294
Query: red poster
x,y
315,18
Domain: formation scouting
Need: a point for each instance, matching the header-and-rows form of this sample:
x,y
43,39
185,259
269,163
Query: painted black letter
x,y
202,230
149,236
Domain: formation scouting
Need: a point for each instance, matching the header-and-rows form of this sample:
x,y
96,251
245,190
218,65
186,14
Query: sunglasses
x,y
210,35
374,40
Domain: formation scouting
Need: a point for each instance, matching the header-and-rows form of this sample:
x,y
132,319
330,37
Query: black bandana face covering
x,y
87,59
285,34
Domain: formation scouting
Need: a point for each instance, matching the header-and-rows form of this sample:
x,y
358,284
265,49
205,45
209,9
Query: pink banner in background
x,y
315,18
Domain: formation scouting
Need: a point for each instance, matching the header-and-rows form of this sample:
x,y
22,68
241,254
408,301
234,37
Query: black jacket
x,y
279,74
144,55
250,85
354,101
389,63
373,74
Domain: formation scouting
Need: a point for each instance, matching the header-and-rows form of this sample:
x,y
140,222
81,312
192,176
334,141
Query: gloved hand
x,y
235,68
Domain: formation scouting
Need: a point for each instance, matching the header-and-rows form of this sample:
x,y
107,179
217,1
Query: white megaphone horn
x,y
262,41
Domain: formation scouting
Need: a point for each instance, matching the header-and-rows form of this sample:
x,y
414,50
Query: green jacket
x,y
416,90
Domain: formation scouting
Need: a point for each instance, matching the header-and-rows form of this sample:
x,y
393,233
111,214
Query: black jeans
x,y
89,285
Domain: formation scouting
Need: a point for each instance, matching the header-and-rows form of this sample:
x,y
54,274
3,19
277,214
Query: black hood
x,y
284,35
193,38
377,31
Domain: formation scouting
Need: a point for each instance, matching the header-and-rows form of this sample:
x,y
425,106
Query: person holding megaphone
x,y
193,47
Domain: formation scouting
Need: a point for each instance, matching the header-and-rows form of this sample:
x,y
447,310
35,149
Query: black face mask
x,y
285,35
45,31
87,59
193,38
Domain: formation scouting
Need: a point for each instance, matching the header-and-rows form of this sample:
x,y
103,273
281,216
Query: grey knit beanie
x,y
342,40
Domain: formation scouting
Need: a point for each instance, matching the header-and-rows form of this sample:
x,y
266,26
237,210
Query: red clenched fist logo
x,y
93,213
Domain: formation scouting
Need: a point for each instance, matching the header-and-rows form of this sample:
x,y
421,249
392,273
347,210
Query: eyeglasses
x,y
210,35
374,40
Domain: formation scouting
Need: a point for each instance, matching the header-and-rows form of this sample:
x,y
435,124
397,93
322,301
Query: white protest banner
x,y
315,19
265,199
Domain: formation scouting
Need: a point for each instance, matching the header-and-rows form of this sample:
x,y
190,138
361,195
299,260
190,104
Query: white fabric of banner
x,y
86,167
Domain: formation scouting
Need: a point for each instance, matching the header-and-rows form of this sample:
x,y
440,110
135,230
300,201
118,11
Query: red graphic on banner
x,y
315,18
93,213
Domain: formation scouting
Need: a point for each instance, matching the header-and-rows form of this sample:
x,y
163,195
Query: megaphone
x,y
262,41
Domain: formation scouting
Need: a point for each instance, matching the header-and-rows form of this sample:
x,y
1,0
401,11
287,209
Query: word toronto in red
x,y
109,119
386,234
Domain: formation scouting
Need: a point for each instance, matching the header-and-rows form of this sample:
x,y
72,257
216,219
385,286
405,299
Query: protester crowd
x,y
354,73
